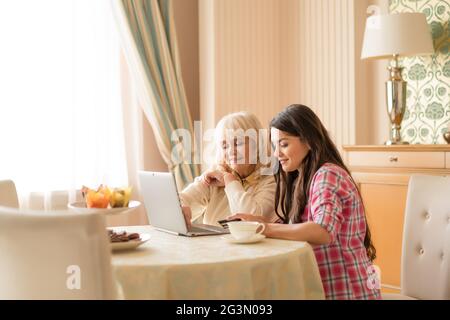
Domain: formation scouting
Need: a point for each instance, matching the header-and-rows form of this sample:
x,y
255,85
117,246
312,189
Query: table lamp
x,y
393,36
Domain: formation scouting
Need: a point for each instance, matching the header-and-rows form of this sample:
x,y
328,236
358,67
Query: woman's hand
x,y
213,178
248,217
228,175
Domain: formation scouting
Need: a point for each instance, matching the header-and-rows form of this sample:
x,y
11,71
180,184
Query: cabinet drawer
x,y
447,160
398,159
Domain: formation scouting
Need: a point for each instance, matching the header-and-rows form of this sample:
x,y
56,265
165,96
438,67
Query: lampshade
x,y
404,34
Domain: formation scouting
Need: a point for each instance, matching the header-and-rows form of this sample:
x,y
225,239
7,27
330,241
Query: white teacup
x,y
245,229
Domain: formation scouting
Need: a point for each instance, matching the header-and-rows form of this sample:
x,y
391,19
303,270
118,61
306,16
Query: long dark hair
x,y
292,187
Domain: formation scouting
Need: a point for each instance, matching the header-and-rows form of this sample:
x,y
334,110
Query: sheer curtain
x,y
61,123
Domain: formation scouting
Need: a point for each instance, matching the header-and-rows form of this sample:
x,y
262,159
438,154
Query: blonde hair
x,y
244,124
237,121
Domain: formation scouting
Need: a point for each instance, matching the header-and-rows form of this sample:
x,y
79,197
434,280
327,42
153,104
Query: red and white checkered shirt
x,y
335,204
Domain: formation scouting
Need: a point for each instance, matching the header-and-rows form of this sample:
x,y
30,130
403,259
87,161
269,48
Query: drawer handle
x,y
393,159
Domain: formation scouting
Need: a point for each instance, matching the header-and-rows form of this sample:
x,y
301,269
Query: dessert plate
x,y
131,244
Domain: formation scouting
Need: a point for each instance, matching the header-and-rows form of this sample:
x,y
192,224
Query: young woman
x,y
317,201
234,184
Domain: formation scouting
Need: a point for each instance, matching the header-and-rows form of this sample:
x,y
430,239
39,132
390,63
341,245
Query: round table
x,y
209,267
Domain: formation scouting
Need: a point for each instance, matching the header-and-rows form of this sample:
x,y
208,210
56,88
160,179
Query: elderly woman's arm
x,y
196,196
258,199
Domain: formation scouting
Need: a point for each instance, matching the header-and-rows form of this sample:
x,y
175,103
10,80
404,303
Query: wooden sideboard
x,y
382,174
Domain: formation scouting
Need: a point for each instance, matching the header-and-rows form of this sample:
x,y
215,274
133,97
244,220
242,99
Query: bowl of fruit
x,y
105,200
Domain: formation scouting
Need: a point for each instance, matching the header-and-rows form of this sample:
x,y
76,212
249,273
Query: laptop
x,y
163,206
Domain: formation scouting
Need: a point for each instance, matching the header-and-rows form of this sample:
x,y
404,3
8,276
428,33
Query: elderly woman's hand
x,y
213,178
187,213
248,217
228,175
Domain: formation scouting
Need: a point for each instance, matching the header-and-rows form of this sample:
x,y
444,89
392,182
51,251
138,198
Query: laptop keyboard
x,y
203,228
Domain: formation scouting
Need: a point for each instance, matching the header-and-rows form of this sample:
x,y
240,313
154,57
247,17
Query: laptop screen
x,y
161,201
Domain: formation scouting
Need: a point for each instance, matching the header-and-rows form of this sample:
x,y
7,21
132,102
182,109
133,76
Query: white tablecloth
x,y
209,267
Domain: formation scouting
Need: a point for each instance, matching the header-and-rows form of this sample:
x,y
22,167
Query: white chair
x,y
425,266
8,194
54,255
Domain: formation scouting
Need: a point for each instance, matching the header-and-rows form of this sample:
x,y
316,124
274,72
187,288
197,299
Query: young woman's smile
x,y
289,150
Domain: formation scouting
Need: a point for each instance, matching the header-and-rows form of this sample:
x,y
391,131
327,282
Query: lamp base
x,y
396,102
395,143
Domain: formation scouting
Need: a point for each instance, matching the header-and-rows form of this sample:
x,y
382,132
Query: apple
x,y
99,198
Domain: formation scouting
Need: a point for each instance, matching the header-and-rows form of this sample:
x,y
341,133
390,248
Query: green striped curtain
x,y
148,28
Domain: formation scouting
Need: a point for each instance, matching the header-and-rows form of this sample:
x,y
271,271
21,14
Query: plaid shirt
x,y
334,203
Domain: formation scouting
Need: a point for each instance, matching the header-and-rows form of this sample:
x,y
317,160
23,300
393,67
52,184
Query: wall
x,y
372,122
262,55
327,62
186,22
239,58
428,77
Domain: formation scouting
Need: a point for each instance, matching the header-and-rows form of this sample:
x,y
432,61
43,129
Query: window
x,y
60,101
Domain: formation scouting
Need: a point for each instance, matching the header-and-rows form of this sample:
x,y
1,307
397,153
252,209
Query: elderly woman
x,y
236,183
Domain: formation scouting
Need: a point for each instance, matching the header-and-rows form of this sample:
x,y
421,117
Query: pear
x,y
120,197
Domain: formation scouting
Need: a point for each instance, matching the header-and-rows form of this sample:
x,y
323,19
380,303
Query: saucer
x,y
253,239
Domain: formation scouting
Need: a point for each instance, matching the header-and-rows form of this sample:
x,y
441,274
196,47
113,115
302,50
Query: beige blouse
x,y
255,195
